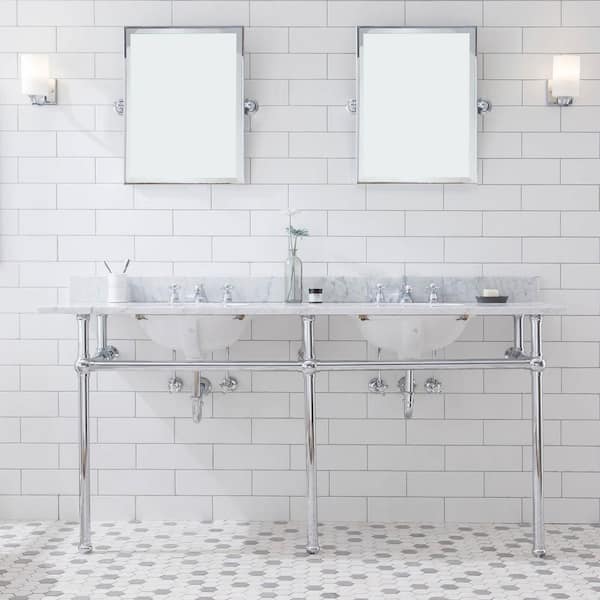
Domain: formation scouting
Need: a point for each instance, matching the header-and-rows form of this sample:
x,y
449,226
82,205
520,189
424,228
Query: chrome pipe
x,y
423,365
312,527
85,543
537,464
104,351
312,365
102,333
517,350
194,365
519,334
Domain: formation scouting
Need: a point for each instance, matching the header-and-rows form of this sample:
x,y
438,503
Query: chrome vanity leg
x,y
537,368
308,368
85,544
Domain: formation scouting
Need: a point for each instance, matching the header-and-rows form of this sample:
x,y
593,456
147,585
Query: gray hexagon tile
x,y
261,561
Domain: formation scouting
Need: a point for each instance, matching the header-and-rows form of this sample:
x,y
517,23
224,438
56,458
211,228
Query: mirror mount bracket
x,y
483,105
250,105
119,106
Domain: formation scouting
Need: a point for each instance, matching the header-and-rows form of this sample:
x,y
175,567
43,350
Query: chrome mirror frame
x,y
120,105
353,105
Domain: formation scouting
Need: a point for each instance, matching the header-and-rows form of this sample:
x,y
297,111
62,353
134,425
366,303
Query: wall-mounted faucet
x,y
201,387
406,385
433,385
174,293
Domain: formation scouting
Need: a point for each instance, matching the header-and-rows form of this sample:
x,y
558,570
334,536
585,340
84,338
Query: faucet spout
x,y
379,294
201,387
406,296
407,386
200,294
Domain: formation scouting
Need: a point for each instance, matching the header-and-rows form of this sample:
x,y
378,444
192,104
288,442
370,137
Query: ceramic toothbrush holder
x,y
117,288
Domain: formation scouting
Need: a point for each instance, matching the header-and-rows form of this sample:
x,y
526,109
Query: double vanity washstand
x,y
410,331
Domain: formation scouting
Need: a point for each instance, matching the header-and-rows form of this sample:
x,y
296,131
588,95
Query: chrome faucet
x,y
200,294
406,296
227,293
174,293
433,293
379,294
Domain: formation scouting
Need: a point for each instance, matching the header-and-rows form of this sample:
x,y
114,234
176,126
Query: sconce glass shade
x,y
566,73
35,79
35,72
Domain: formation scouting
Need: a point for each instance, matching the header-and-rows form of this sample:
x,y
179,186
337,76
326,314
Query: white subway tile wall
x,y
63,209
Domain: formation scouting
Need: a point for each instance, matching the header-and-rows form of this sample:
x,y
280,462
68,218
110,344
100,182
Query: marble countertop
x,y
326,308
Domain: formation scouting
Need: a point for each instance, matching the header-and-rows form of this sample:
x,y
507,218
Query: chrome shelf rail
x,y
313,365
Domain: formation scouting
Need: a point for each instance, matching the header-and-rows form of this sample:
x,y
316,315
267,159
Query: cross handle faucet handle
x,y
433,292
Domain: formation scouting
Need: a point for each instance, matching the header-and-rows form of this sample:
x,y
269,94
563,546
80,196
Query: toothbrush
x,y
107,267
126,266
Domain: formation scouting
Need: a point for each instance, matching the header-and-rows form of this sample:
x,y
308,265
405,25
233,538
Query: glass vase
x,y
293,278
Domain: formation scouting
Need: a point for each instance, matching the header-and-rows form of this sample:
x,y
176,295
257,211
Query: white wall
x,y
465,456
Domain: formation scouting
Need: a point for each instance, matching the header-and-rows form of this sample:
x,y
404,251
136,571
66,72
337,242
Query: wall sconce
x,y
563,88
36,81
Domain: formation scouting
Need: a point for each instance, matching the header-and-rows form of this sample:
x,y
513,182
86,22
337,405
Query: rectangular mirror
x,y
417,105
184,105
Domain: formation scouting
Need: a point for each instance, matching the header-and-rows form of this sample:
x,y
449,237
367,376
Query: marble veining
x,y
86,290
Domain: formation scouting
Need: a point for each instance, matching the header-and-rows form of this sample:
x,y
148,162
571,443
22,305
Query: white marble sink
x,y
196,336
415,335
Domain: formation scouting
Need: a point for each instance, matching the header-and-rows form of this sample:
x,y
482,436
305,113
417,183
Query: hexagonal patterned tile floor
x,y
366,561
